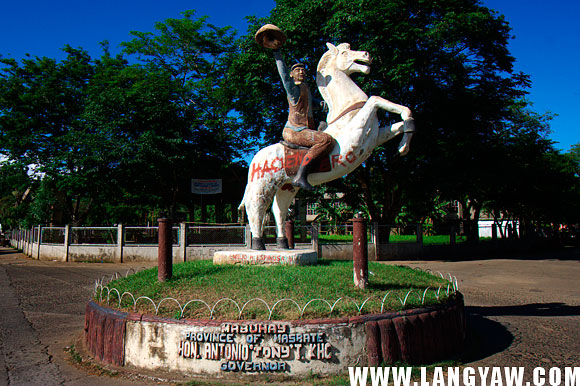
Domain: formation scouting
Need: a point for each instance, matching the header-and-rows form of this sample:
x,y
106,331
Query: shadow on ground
x,y
8,251
485,337
533,309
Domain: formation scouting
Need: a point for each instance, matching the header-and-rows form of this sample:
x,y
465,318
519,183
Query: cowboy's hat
x,y
270,36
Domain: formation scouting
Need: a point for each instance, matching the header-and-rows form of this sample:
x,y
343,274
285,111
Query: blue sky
x,y
546,44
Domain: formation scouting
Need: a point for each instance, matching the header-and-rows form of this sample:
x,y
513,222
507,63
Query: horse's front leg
x,y
404,145
391,107
406,127
390,132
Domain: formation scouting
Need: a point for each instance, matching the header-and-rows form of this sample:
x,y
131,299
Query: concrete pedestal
x,y
273,257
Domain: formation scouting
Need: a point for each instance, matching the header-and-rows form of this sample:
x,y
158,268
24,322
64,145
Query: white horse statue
x,y
352,122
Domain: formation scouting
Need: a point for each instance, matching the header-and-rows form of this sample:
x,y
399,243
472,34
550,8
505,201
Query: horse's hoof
x,y
282,243
258,244
403,150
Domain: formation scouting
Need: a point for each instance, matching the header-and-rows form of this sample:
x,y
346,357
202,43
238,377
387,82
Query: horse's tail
x,y
243,203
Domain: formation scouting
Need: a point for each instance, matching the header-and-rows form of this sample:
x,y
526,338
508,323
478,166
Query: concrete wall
x,y
270,348
394,251
177,348
120,252
114,253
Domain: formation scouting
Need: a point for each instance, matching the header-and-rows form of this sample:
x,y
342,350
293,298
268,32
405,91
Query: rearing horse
x,y
352,122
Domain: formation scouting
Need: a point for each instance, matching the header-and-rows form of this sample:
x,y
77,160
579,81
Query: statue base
x,y
268,257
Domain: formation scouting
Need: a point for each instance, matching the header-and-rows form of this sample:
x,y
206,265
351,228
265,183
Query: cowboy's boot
x,y
301,180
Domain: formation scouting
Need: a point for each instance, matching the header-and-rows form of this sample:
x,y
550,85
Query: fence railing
x,y
216,235
187,234
53,235
135,242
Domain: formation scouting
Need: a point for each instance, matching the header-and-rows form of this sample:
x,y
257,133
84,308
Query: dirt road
x,y
521,313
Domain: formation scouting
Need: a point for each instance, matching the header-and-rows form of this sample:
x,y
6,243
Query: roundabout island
x,y
417,322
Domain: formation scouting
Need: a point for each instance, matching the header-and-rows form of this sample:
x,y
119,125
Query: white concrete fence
x,y
122,243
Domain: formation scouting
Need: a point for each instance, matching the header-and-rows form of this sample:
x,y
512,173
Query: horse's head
x,y
349,61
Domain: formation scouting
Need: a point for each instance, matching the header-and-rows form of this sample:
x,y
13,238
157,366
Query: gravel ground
x,y
522,312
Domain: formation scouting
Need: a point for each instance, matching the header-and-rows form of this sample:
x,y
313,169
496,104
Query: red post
x,y
360,252
165,251
289,230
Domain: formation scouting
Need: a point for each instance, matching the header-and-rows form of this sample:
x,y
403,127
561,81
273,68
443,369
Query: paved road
x,y
41,313
522,313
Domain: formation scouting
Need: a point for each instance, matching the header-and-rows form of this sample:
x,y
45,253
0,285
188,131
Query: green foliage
x,y
118,138
195,56
118,142
15,187
449,62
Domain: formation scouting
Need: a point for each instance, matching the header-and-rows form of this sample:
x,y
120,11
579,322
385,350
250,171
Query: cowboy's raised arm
x,y
292,90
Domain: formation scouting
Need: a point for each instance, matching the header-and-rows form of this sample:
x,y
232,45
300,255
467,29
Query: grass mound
x,y
314,291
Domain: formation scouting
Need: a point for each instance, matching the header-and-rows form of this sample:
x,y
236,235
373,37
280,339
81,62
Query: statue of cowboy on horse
x,y
352,133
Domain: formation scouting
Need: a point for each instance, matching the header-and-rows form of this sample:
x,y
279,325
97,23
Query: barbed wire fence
x,y
105,294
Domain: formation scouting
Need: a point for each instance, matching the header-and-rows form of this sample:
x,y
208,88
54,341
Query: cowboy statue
x,y
352,134
300,128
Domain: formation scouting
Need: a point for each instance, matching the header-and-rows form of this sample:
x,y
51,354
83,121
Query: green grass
x,y
427,240
327,280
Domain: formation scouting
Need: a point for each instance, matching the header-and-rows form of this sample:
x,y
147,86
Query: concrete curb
x,y
416,336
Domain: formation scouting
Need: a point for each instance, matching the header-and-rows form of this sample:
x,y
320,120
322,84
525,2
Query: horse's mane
x,y
323,62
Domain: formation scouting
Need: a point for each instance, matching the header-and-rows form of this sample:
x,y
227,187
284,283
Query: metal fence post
x,y
66,241
24,240
360,252
314,239
420,234
120,241
183,240
165,250
39,242
375,239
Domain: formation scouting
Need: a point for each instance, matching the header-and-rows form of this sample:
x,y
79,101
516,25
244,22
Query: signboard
x,y
206,186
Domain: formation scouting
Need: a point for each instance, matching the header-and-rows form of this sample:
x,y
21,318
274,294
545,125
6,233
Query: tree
x,y
194,55
113,140
42,102
448,61
15,188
